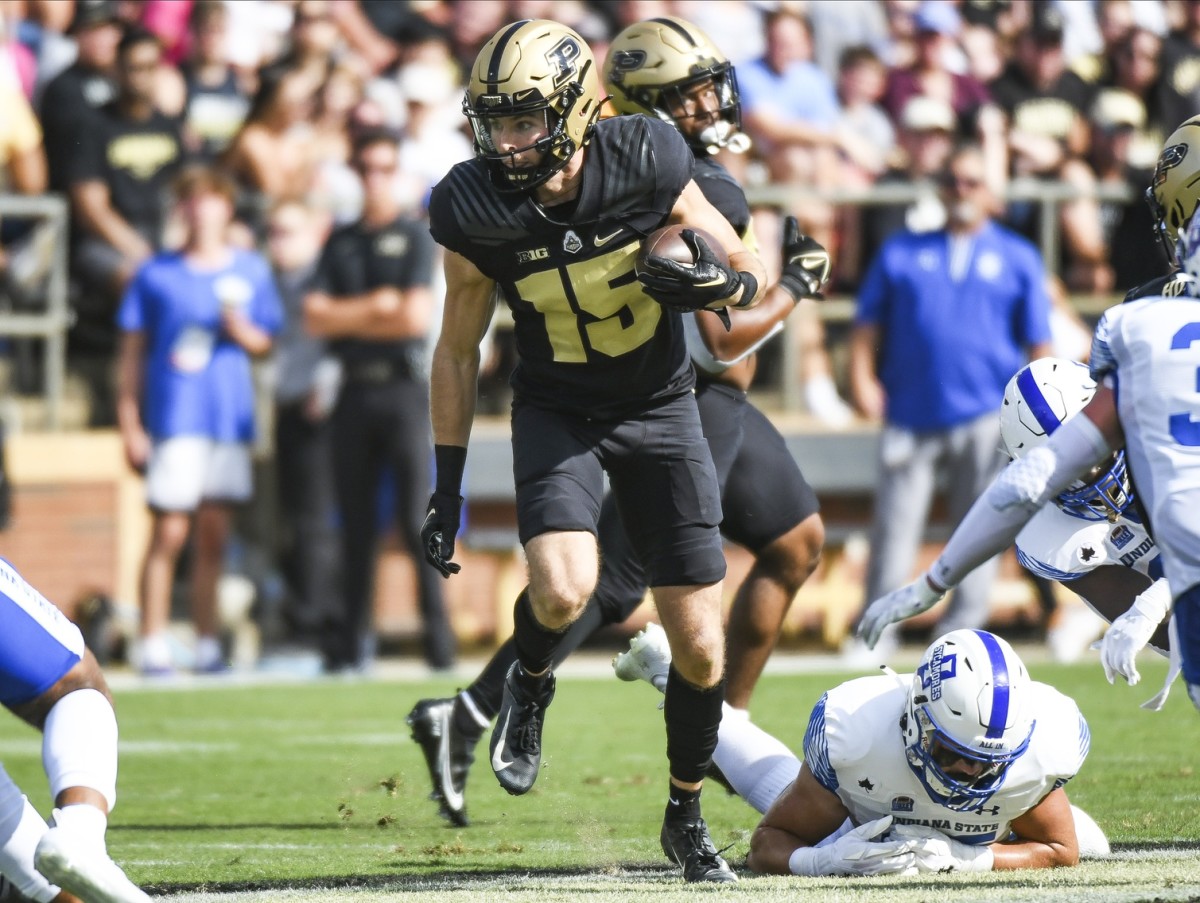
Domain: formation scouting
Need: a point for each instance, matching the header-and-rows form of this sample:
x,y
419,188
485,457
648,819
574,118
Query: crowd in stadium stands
x,y
106,101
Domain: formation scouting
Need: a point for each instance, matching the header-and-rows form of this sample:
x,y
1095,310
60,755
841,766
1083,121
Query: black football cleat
x,y
517,737
687,843
448,753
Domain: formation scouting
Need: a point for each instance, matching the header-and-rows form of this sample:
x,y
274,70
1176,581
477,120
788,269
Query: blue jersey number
x,y
1184,429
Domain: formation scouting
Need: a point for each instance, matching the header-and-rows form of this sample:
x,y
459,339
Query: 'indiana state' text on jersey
x,y
854,747
589,340
1059,546
1149,352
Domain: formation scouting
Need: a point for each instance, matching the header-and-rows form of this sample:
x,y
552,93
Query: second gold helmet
x,y
651,64
1174,191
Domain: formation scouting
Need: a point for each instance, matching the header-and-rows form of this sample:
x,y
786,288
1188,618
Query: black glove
x,y
806,264
687,287
442,518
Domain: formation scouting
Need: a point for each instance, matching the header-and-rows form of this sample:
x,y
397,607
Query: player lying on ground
x,y
50,680
1091,537
957,767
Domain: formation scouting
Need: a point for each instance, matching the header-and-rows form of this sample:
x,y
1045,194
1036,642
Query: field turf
x,y
313,791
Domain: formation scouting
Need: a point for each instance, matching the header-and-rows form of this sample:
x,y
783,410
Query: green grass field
x,y
314,791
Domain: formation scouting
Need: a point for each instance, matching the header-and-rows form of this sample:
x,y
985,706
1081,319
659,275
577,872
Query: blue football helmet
x,y
1042,396
969,717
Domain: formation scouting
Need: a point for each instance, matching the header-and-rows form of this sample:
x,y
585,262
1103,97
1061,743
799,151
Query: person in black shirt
x,y
371,300
550,216
71,99
216,102
118,179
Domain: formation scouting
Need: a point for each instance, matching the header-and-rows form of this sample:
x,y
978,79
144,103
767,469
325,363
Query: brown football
x,y
668,242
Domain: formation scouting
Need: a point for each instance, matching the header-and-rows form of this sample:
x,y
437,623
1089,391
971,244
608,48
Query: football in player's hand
x,y
669,243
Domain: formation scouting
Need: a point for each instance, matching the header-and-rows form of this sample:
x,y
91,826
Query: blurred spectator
x,y
70,100
18,65
216,103
24,245
937,71
272,154
169,21
314,40
258,31
1117,117
1179,88
432,140
926,138
944,319
1135,69
336,187
1114,21
1047,106
118,179
305,388
866,137
839,25
790,110
740,24
189,323
371,299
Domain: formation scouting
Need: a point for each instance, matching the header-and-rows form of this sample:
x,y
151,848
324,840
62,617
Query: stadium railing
x,y
52,318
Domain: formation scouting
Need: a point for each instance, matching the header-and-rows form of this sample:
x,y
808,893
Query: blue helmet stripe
x,y
1032,394
998,717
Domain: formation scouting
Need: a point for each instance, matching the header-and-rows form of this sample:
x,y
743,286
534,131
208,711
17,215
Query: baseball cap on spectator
x,y
1116,108
927,114
1047,24
426,83
90,13
937,16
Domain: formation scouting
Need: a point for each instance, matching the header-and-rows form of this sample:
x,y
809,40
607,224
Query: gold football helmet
x,y
650,68
1175,189
533,67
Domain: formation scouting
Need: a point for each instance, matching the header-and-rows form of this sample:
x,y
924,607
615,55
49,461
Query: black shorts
x,y
661,473
763,492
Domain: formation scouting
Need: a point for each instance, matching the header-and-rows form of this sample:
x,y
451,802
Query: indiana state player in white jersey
x,y
1090,537
1146,355
957,767
50,680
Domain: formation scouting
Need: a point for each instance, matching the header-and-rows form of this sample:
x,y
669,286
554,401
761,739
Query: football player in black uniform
x,y
669,69
1173,195
550,216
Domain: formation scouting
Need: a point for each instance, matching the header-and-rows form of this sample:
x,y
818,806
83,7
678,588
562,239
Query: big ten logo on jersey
x,y
532,254
391,244
939,667
562,57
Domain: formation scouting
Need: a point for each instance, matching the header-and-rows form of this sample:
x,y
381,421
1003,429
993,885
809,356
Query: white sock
x,y
757,765
156,651
79,745
728,711
20,830
208,651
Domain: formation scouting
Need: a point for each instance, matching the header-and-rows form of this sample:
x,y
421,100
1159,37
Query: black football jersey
x,y
723,192
1171,285
589,340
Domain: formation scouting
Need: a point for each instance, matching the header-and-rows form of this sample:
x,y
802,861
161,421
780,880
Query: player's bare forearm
x,y
1022,854
749,327
1044,837
453,387
770,850
692,208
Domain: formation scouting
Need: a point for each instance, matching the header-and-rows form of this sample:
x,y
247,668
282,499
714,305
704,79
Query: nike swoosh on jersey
x,y
605,239
499,763
454,799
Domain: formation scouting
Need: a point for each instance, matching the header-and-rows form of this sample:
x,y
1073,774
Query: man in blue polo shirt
x,y
944,320
190,322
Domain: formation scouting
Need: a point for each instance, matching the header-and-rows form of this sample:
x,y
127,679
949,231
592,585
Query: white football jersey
x,y
1060,546
1149,351
855,748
